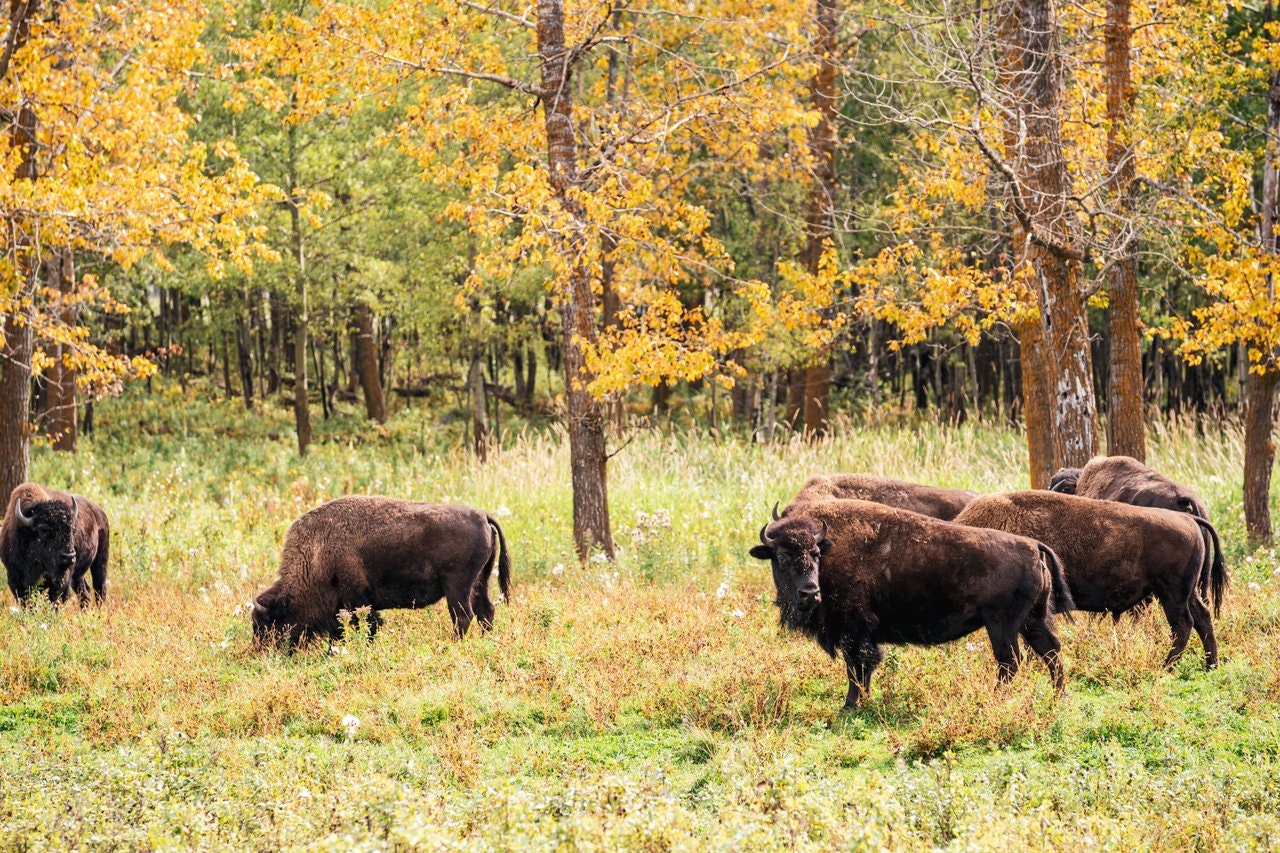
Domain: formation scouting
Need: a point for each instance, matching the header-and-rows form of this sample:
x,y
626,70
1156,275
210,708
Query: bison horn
x,y
822,537
24,520
763,537
75,509
257,606
775,510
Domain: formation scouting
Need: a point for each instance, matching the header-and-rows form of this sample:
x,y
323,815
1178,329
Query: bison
x,y
1126,480
944,504
379,553
854,575
54,538
1116,556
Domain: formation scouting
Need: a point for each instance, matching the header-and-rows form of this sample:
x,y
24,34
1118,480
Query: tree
x,y
602,175
102,165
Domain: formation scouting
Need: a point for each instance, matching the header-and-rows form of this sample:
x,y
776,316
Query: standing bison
x,y
932,501
380,553
1116,556
54,539
854,575
1126,480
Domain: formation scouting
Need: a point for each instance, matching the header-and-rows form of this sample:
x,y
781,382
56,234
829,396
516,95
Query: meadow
x,y
648,704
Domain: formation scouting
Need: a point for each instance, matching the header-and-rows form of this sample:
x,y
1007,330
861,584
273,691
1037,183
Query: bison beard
x,y
1116,556
379,553
944,504
855,575
54,539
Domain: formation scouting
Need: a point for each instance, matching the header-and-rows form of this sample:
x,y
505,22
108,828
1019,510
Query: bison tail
x,y
1215,576
504,562
1062,601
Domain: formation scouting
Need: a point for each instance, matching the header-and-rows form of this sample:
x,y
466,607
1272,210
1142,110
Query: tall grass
x,y
652,703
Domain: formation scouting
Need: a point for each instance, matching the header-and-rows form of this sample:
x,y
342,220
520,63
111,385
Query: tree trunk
x,y
479,408
1036,403
587,450
60,277
245,355
301,407
820,221
19,343
15,392
1031,84
1259,455
1259,450
1126,426
367,363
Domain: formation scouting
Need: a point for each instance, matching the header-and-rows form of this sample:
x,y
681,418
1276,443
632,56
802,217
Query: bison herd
x,y
858,562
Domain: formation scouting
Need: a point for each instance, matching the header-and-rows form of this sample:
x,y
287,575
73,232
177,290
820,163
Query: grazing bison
x,y
53,539
926,500
379,553
1116,556
854,575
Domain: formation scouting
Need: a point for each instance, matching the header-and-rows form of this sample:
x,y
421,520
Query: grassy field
x,y
649,704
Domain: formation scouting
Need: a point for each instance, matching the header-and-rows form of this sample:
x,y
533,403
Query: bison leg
x,y
1004,645
1179,616
461,613
81,587
1045,643
98,571
860,661
1204,627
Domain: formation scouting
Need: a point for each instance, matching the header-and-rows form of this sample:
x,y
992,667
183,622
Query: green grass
x,y
648,704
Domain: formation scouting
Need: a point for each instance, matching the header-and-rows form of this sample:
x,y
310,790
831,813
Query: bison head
x,y
273,618
1065,481
794,547
45,541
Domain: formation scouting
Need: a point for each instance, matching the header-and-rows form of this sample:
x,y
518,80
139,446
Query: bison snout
x,y
808,596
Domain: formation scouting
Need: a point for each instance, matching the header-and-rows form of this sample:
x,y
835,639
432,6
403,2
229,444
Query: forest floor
x,y
653,703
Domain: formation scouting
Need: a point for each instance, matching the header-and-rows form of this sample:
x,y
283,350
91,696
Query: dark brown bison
x,y
927,500
54,539
1126,480
1116,556
380,553
854,575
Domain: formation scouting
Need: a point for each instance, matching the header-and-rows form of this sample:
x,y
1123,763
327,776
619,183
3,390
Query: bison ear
x,y
762,552
1187,505
278,607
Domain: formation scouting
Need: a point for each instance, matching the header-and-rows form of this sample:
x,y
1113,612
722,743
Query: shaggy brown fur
x,y
854,575
926,500
54,538
381,553
1117,555
1126,480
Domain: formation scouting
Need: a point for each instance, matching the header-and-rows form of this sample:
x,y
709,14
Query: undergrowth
x,y
651,703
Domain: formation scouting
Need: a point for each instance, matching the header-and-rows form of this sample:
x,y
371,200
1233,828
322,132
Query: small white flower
x,y
599,558
722,590
502,511
557,569
15,609
971,647
351,722
44,626
1254,587
224,644
737,614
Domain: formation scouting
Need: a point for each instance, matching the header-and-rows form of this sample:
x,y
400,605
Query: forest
x,y
624,275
